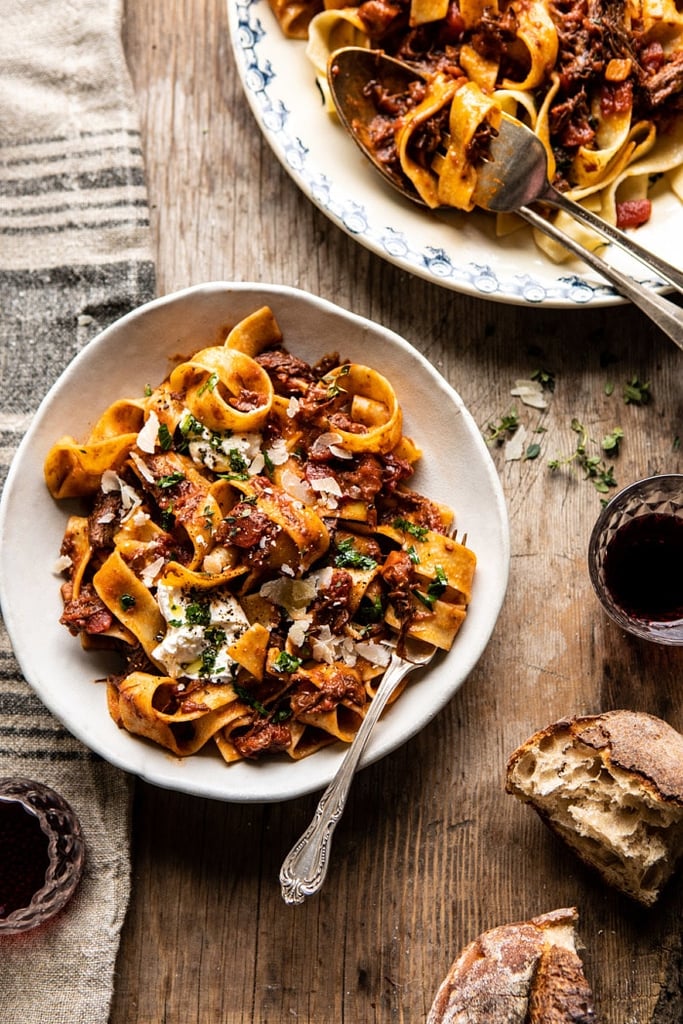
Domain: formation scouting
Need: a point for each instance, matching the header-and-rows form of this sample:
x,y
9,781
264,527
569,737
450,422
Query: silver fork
x,y
304,868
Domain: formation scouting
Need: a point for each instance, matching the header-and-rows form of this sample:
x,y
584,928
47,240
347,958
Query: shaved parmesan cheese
x,y
296,487
142,469
130,499
293,407
531,393
330,442
514,448
278,452
149,574
106,517
62,563
292,595
376,654
327,485
297,631
257,465
329,648
147,438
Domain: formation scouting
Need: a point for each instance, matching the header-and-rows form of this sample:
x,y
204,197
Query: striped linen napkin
x,y
74,256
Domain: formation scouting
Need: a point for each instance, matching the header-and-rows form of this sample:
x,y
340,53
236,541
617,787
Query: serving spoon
x,y
514,175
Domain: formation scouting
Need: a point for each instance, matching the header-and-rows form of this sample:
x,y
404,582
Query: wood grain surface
x,y
430,851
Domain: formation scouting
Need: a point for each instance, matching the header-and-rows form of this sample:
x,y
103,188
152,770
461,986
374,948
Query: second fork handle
x,y
660,267
667,316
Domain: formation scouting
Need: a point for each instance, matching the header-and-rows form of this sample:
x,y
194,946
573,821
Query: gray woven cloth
x,y
74,256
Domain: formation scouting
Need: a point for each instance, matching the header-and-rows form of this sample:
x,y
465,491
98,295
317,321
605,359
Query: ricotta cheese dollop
x,y
200,629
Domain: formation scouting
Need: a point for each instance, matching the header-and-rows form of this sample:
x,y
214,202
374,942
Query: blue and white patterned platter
x,y
456,251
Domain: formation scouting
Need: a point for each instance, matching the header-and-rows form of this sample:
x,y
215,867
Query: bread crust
x,y
632,740
611,786
526,972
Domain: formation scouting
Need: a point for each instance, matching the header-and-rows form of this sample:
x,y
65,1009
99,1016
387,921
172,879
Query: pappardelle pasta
x,y
600,82
250,546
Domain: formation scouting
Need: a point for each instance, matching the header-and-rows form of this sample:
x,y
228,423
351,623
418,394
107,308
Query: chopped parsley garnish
x,y
348,557
419,532
198,613
164,482
127,601
209,384
165,438
167,517
286,662
413,555
370,610
268,462
249,699
435,589
238,464
215,638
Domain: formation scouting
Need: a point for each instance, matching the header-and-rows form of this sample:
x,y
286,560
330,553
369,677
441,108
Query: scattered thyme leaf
x,y
611,442
636,393
595,469
507,425
546,378
533,451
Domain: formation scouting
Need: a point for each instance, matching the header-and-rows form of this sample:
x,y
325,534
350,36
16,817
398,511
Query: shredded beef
x,y
290,375
85,614
103,521
327,687
331,607
264,737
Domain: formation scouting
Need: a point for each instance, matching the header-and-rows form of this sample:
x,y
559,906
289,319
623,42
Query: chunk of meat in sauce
x,y
331,605
398,574
289,375
103,521
86,613
264,737
324,687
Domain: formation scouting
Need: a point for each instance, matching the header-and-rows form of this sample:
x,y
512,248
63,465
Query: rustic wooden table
x,y
430,851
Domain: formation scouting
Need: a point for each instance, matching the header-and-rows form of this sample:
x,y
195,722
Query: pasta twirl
x,y
249,544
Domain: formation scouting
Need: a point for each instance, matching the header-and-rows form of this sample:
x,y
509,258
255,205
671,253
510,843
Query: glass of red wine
x,y
635,558
42,853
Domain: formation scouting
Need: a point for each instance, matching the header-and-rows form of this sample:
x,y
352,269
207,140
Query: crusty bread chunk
x,y
523,973
611,786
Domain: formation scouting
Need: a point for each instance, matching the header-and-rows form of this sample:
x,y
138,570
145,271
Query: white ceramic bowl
x,y
136,351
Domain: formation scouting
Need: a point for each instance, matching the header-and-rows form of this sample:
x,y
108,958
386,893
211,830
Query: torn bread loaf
x,y
523,973
611,786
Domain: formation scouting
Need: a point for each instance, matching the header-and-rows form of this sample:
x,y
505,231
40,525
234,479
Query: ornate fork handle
x,y
304,868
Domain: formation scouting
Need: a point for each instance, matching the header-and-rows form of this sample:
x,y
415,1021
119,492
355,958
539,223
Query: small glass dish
x,y
635,558
42,854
